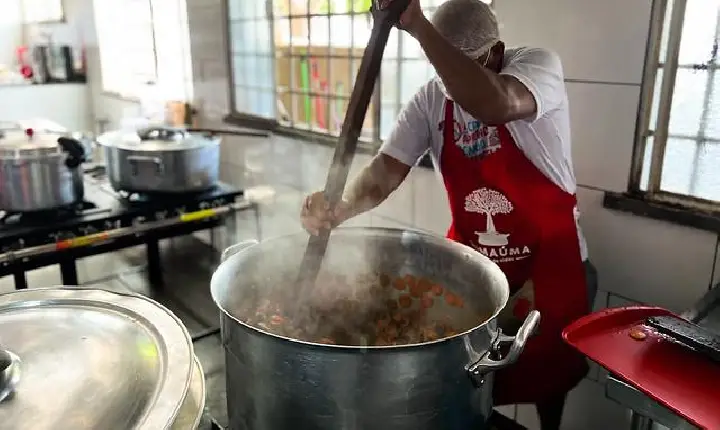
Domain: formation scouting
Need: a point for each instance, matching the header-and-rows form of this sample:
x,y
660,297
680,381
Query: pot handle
x,y
487,364
135,159
9,373
162,133
75,150
234,249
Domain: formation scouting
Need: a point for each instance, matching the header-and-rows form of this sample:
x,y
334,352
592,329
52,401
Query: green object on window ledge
x,y
359,5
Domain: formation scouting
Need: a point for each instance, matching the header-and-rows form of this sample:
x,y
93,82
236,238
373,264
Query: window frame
x,y
58,20
377,104
660,135
115,92
249,120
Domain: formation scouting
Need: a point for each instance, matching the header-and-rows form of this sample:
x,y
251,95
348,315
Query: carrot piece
x,y
405,301
437,290
415,290
399,284
426,302
424,284
450,298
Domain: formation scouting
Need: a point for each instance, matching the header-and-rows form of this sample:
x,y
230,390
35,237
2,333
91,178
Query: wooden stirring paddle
x,y
384,20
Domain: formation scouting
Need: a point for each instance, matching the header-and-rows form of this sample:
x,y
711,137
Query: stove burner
x,y
62,213
136,197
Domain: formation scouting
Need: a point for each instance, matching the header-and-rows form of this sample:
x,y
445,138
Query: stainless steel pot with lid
x,y
279,381
93,359
161,159
39,170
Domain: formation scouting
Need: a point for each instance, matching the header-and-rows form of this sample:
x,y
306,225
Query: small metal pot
x,y
39,170
275,382
75,358
161,159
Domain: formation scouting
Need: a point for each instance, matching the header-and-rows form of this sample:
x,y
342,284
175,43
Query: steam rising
x,y
349,295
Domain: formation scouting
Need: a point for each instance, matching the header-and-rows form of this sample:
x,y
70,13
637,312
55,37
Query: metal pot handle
x,y
9,373
135,159
234,249
487,364
162,133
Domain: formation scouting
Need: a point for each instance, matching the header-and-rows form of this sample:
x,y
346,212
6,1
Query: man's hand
x,y
316,214
412,18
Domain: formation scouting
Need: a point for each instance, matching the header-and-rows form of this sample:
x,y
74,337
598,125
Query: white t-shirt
x,y
543,138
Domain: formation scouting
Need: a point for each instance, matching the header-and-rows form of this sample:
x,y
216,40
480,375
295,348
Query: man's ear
x,y
498,52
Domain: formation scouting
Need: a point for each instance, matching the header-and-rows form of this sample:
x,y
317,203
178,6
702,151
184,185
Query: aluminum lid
x,y
156,139
15,142
89,358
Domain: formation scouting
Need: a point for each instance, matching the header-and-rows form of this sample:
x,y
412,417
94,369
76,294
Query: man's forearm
x,y
478,90
372,186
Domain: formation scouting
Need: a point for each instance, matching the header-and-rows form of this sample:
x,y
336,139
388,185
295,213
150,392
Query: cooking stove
x,y
105,210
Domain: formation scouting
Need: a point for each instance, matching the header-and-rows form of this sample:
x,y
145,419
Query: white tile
x,y
432,210
400,206
601,299
646,260
597,41
586,408
602,119
509,411
381,221
615,301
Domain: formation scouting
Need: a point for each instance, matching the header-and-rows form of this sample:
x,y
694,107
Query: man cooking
x,y
496,122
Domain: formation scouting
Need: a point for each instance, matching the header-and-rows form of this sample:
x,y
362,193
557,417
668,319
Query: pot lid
x,y
109,360
18,141
157,139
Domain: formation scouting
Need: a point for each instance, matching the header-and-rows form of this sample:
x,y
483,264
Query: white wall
x,y
64,104
68,104
602,45
10,30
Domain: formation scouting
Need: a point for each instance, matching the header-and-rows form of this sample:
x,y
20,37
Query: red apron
x,y
504,207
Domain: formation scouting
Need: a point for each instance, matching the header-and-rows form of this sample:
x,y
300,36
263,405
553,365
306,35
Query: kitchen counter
x,y
706,313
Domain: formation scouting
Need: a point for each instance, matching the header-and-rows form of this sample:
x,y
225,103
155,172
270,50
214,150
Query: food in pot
x,y
375,310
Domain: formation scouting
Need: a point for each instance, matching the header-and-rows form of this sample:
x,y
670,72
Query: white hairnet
x,y
469,25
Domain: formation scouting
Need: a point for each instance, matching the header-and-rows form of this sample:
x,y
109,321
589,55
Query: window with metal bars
x,y
677,152
141,42
295,61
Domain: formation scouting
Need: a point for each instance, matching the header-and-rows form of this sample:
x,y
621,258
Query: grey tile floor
x,y
277,173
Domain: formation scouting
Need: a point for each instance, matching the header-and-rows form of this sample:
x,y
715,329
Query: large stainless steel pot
x,y
39,170
281,383
75,358
161,159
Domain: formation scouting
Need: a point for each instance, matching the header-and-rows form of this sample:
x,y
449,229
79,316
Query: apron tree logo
x,y
490,203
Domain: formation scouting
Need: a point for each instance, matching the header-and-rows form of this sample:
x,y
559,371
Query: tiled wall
x,y
602,45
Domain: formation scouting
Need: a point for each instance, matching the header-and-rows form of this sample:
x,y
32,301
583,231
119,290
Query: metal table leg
x,y
230,230
256,208
68,272
155,274
20,280
639,422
